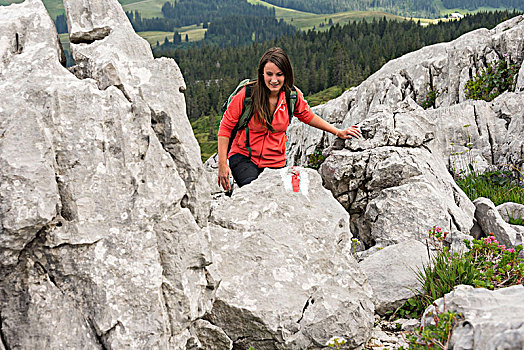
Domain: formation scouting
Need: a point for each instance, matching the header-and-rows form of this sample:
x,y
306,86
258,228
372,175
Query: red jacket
x,y
268,149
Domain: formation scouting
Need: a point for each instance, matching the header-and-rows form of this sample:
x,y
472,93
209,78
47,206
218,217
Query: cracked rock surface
x,y
99,247
154,87
288,279
395,182
388,180
492,319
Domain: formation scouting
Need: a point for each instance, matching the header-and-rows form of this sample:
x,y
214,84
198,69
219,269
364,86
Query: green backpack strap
x,y
246,116
291,101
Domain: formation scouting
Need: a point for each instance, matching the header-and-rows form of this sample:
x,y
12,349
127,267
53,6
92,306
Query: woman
x,y
267,127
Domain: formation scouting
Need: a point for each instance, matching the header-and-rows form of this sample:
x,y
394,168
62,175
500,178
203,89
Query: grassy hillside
x,y
148,8
194,33
306,20
302,20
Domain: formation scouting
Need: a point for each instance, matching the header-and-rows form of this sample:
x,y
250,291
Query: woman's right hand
x,y
224,173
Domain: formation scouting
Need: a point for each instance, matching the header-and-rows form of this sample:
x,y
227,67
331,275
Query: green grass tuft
x,y
499,186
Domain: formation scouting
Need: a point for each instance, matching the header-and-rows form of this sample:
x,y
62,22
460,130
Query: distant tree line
x,y
419,8
243,30
342,56
235,31
150,24
474,4
182,13
188,12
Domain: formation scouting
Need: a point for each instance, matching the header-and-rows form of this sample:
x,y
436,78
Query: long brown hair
x,y
260,93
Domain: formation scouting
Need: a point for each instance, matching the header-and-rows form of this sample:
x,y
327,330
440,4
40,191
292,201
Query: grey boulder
x,y
491,221
492,319
283,258
98,248
389,179
392,273
106,48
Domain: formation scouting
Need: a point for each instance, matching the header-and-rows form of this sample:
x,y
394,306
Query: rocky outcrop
x,y
490,221
98,246
387,179
397,181
288,278
104,202
392,273
106,48
492,319
511,210
408,152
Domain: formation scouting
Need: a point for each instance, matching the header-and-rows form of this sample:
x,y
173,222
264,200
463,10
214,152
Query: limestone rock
x,y
509,108
490,221
387,334
407,152
288,279
210,337
392,273
520,80
509,209
97,248
389,178
303,140
106,48
496,324
445,68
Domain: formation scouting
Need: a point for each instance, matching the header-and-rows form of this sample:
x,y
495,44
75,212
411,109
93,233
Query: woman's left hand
x,y
352,131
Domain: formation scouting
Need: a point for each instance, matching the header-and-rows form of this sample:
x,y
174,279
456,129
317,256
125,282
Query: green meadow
x,y
147,8
306,20
299,19
194,33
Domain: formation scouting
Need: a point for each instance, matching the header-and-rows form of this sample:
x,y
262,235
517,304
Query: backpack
x,y
245,117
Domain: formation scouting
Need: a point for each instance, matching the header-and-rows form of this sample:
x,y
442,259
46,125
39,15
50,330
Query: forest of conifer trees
x,y
342,56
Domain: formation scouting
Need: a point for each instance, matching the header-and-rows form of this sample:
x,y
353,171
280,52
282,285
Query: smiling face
x,y
273,78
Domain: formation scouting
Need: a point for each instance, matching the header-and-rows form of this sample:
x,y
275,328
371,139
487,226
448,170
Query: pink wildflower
x,y
511,250
438,229
502,247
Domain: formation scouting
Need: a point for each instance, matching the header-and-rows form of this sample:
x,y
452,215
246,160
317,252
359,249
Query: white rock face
x,y
389,179
97,247
106,48
401,167
288,279
492,319
491,221
396,182
509,209
392,273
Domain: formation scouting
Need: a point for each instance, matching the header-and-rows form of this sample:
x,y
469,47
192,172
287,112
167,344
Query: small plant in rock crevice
x,y
498,77
315,160
515,220
498,266
462,162
436,335
336,342
500,186
431,98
